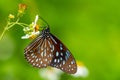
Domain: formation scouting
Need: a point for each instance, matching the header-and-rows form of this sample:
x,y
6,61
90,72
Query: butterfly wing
x,y
47,50
39,53
62,57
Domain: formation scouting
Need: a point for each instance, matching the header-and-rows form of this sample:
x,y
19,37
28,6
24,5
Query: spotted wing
x,y
62,57
38,53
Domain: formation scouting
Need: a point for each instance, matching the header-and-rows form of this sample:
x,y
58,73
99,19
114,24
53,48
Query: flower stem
x,y
2,34
23,24
13,24
8,26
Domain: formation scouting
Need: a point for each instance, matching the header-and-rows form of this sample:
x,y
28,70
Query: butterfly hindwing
x,y
62,57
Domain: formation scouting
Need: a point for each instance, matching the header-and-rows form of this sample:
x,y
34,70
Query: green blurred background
x,y
89,28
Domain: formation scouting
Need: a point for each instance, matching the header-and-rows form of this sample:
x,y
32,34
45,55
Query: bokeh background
x,y
89,28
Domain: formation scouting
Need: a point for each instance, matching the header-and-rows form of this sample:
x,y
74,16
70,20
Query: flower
x,y
32,30
11,16
31,36
22,8
50,73
35,22
82,71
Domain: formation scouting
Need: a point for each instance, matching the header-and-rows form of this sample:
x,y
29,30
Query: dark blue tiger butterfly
x,y
47,50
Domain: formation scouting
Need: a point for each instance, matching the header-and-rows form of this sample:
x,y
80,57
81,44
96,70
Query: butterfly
x,y
47,50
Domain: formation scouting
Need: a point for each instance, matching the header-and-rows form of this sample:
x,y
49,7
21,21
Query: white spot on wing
x,y
58,60
49,43
63,62
72,62
52,48
44,64
69,65
39,59
33,64
32,54
61,47
36,64
55,60
42,54
60,65
72,69
41,48
32,61
29,59
57,54
45,52
36,60
45,59
50,55
61,58
41,62
61,54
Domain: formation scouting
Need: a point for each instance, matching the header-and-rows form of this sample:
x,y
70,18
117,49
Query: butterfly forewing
x,y
62,58
39,53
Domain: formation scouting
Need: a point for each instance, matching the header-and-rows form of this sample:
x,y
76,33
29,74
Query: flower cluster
x,y
32,30
14,20
50,73
11,16
21,10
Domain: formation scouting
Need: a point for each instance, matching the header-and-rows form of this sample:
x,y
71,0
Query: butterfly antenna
x,y
47,25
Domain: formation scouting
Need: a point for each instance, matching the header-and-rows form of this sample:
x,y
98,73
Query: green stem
x,y
12,24
8,26
2,34
23,24
20,25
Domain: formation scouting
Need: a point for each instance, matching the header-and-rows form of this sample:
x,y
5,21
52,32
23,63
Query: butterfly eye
x,y
47,50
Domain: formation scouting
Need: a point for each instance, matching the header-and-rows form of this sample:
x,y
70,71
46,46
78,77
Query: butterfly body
x,y
47,50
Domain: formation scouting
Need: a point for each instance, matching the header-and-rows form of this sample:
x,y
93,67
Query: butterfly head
x,y
46,30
